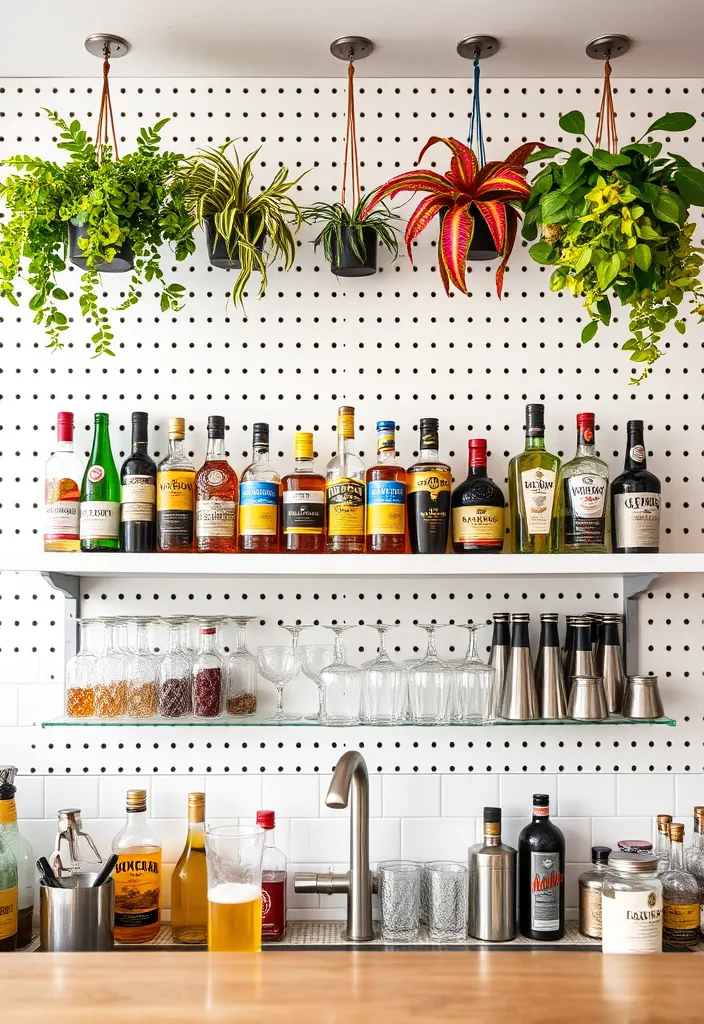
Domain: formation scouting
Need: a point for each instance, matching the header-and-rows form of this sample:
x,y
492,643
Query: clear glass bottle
x,y
8,899
63,474
273,882
590,884
141,675
82,674
344,490
174,674
631,905
175,493
111,683
137,874
303,494
207,692
189,882
260,487
532,477
694,861
386,496
216,495
662,847
680,896
241,696
582,487
22,851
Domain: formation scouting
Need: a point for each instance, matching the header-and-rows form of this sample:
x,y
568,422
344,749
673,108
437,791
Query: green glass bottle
x,y
8,898
532,476
100,493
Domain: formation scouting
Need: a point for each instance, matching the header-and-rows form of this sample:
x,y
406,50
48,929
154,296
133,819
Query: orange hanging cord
x,y
607,114
106,121
351,156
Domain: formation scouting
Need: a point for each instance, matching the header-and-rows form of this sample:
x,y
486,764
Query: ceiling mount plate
x,y
351,47
608,47
478,47
103,45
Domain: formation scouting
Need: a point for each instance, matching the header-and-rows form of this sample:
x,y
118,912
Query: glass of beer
x,y
234,862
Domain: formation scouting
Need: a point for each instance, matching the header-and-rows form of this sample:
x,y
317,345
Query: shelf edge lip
x,y
63,722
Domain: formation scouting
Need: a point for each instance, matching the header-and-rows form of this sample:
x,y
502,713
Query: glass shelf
x,y
255,720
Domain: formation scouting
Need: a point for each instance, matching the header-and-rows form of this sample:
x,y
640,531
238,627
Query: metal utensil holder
x,y
77,917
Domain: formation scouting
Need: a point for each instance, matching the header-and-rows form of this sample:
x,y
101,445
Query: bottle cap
x,y
676,832
216,426
549,617
207,630
386,436
101,417
345,421
541,800
633,425
64,426
632,863
136,799
196,807
302,445
520,617
600,854
266,819
640,846
585,419
177,428
476,451
140,426
535,419
500,616
492,814
429,434
663,821
260,435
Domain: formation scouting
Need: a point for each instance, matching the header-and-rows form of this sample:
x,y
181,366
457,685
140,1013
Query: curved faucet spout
x,y
350,768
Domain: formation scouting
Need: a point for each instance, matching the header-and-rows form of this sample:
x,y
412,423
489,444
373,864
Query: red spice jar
x,y
207,689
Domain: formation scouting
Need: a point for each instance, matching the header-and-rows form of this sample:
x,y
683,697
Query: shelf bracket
x,y
633,587
70,587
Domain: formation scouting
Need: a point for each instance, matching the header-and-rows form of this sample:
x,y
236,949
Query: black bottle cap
x,y
634,425
260,435
535,419
429,434
140,426
541,800
492,814
600,854
216,426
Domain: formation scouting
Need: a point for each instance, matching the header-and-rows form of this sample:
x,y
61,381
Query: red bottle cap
x,y
585,425
266,819
64,426
476,451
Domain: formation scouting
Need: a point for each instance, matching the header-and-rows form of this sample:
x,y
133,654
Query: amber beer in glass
x,y
234,861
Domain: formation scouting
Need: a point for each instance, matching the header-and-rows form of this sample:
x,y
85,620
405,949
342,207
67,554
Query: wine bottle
x,y
477,507
189,882
531,487
62,491
100,493
138,480
635,500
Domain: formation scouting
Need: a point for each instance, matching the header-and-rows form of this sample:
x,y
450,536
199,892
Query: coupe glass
x,y
341,683
280,665
476,696
82,674
315,659
111,688
174,674
141,674
383,685
296,631
241,693
430,684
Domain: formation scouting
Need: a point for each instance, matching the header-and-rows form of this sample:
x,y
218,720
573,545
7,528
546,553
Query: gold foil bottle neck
x,y
492,828
177,428
136,799
196,807
345,421
302,445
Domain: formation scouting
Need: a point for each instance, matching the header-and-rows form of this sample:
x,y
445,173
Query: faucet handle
x,y
326,884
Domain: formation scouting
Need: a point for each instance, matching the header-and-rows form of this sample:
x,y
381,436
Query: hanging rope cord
x,y
351,155
475,120
106,121
607,114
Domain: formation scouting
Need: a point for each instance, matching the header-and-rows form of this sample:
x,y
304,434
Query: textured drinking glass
x,y
241,674
430,684
280,665
342,684
475,692
399,899
383,686
425,887
316,657
446,886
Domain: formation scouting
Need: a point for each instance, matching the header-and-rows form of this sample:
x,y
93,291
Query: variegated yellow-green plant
x,y
256,228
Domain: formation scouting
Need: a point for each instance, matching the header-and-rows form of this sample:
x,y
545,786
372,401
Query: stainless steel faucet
x,y
350,774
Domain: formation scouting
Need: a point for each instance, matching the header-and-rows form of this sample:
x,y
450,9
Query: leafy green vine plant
x,y
130,201
335,217
617,223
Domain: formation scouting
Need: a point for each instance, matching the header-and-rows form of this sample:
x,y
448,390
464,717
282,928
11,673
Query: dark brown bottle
x,y
541,876
429,487
635,500
138,497
477,507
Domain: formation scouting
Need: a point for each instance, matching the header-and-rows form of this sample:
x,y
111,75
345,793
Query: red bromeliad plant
x,y
494,192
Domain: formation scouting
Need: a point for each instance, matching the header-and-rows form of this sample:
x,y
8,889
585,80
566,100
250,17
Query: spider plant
x,y
255,229
349,230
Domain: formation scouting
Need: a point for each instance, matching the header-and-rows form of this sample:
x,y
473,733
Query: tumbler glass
x,y
399,899
448,907
234,866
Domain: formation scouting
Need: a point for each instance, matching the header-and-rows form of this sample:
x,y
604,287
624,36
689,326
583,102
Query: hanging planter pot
x,y
218,249
345,261
121,263
482,246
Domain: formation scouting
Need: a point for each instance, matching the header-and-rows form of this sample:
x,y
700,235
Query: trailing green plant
x,y
617,223
256,228
335,217
127,201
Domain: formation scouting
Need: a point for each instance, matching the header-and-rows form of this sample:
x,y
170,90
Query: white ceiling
x,y
250,38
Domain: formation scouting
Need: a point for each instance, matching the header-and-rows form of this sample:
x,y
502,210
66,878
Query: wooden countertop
x,y
495,986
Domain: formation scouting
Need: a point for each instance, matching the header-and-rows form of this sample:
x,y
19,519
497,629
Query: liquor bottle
x,y
216,495
8,899
541,876
662,847
429,484
62,491
590,885
259,497
22,851
582,488
344,490
303,493
175,493
680,897
138,479
386,496
100,493
137,874
189,882
635,500
273,882
477,507
531,488
694,862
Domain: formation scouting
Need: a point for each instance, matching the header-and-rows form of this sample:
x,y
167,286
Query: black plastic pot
x,y
482,246
217,248
121,263
346,264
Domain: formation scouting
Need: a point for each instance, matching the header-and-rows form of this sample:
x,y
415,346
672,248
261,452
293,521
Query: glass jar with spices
x,y
590,884
111,686
82,674
174,676
207,675
141,674
631,905
241,698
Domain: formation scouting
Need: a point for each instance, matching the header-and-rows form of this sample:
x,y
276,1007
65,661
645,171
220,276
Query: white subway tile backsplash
x,y
689,793
172,833
510,829
72,791
411,796
228,796
645,794
41,833
328,839
581,795
516,792
608,831
344,812
113,793
30,796
437,838
467,795
578,837
170,795
292,796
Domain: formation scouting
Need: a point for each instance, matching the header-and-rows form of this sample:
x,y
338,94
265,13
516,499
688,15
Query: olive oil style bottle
x,y
137,874
532,479
189,882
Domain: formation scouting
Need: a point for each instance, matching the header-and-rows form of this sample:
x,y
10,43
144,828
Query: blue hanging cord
x,y
475,119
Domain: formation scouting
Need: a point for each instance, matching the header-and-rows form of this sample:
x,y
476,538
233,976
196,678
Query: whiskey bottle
x,y
429,483
137,874
273,882
62,491
635,500
477,507
303,498
175,487
100,493
259,497
138,480
189,882
532,476
386,496
8,899
216,495
541,876
22,851
581,495
680,897
344,490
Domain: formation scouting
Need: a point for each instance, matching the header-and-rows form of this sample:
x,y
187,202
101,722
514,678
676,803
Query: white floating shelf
x,y
118,564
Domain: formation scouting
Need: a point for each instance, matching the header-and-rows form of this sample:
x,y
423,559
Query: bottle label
x,y
259,507
304,512
538,496
138,499
8,912
137,889
590,911
96,474
631,922
215,518
61,516
432,481
273,909
637,520
479,525
345,502
386,508
8,812
546,885
100,520
585,503
175,490
637,453
680,922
